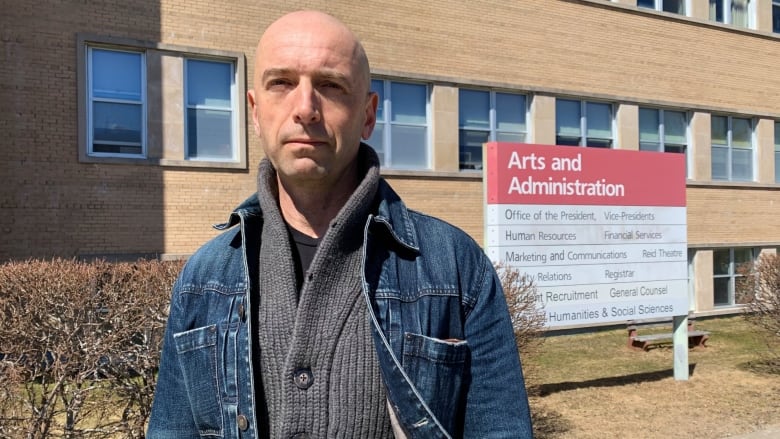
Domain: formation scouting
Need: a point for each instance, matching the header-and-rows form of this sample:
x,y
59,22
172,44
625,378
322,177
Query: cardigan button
x,y
303,378
242,422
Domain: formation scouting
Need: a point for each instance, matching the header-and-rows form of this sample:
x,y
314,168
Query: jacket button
x,y
241,312
243,423
303,378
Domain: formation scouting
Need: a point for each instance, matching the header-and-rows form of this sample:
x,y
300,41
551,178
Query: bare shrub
x,y
46,343
527,316
137,297
80,345
759,289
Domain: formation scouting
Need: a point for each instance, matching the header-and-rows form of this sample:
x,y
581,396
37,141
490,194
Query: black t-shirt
x,y
303,250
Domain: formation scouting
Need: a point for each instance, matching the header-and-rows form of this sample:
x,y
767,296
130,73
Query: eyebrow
x,y
333,75
275,72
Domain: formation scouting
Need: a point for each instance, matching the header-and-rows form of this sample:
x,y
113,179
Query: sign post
x,y
601,233
680,343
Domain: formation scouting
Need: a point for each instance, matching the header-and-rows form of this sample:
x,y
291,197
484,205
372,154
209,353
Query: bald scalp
x,y
316,22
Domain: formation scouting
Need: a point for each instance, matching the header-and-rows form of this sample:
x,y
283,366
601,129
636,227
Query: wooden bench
x,y
696,338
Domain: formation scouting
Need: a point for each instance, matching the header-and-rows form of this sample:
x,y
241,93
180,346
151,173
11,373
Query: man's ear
x,y
371,106
250,96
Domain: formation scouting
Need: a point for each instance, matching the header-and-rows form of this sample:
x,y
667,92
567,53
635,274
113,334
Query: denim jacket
x,y
439,322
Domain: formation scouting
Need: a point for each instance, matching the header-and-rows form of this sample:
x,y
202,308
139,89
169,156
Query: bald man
x,y
333,311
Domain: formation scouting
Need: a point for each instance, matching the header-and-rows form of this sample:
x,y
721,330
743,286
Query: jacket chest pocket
x,y
197,353
437,368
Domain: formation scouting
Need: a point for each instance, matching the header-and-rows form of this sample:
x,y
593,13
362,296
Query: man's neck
x,y
310,209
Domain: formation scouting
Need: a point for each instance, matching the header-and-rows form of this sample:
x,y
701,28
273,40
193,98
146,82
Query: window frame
x,y
91,99
387,122
492,129
727,17
658,5
777,151
692,253
662,143
729,147
164,135
234,125
731,274
776,18
583,125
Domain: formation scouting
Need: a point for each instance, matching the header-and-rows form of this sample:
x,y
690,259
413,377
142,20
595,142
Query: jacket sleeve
x,y
497,402
171,415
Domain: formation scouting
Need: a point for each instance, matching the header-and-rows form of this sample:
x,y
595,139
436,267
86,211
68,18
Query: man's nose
x,y
307,105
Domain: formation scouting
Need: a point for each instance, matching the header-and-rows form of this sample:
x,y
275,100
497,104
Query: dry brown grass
x,y
593,386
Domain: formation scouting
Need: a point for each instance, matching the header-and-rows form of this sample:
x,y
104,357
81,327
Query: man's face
x,y
310,103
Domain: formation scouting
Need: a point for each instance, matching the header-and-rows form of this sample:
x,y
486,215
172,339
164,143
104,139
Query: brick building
x,y
125,131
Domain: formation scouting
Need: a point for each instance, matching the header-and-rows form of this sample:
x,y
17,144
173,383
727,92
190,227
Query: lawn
x,y
590,385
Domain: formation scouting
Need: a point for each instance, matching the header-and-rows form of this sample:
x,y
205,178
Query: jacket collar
x,y
391,212
394,215
249,207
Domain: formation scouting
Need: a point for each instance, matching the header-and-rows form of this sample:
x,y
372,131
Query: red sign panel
x,y
563,175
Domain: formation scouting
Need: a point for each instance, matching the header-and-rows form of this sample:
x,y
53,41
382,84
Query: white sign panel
x,y
599,234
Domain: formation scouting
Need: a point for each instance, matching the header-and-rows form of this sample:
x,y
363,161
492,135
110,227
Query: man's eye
x,y
278,83
329,85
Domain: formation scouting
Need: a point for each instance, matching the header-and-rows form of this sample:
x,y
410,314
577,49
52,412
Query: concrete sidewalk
x,y
768,432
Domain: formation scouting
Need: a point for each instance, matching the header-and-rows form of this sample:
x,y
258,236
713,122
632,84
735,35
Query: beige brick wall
x,y
542,120
444,121
765,150
704,284
54,205
735,216
700,134
627,131
764,17
584,48
699,9
458,201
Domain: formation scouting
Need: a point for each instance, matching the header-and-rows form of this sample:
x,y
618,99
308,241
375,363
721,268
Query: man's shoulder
x,y
445,242
216,255
229,241
438,227
428,231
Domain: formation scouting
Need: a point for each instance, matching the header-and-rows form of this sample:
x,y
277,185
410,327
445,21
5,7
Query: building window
x,y
582,123
777,152
662,130
156,106
732,148
725,267
736,12
211,124
675,6
487,116
776,16
400,137
116,110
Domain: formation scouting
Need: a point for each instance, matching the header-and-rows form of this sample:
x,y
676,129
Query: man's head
x,y
311,103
